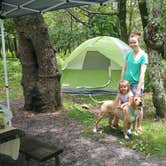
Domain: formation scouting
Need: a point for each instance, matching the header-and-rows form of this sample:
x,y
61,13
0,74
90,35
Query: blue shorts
x,y
134,88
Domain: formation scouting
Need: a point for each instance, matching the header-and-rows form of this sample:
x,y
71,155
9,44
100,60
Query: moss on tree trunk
x,y
40,74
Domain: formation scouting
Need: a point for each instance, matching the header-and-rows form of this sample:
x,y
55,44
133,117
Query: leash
x,y
93,99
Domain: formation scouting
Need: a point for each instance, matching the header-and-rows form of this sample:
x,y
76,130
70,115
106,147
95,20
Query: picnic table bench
x,y
40,151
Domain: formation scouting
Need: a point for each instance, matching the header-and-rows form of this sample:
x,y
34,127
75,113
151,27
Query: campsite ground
x,y
78,150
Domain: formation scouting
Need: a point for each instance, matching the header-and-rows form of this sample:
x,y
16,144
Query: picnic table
x,y
10,141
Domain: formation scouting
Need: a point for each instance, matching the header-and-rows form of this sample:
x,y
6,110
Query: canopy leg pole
x,y
5,65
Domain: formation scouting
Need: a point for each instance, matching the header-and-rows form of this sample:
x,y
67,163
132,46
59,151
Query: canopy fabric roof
x,y
15,8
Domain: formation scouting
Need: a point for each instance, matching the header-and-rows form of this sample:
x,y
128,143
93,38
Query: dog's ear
x,y
135,99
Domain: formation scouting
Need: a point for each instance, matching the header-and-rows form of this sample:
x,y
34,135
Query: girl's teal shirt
x,y
132,72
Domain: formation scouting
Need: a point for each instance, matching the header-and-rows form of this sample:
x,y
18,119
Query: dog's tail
x,y
93,99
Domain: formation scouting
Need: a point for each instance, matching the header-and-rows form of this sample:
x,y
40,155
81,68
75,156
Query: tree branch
x,y
76,18
94,12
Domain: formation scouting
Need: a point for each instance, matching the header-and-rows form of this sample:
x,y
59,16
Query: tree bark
x,y
159,94
144,12
155,43
40,74
122,20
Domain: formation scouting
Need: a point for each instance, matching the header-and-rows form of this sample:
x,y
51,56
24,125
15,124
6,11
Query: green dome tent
x,y
95,64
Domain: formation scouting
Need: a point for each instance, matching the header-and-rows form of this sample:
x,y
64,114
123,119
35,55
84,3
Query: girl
x,y
124,96
134,69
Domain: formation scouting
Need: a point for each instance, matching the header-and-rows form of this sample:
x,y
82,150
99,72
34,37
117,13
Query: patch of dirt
x,y
56,128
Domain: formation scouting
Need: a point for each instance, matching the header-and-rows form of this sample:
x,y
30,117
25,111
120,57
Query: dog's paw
x,y
135,133
113,127
127,137
94,130
139,129
138,132
101,132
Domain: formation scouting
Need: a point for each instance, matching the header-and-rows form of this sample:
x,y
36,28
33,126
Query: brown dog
x,y
107,109
129,114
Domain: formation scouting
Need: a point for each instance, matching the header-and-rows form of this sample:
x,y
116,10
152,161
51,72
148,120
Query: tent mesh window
x,y
95,60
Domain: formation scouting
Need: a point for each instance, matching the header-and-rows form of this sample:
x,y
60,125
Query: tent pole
x,y
4,65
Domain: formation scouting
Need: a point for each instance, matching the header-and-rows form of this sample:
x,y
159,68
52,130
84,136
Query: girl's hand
x,y
137,94
118,107
121,107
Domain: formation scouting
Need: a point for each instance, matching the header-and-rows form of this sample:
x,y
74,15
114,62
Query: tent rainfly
x,y
16,8
95,64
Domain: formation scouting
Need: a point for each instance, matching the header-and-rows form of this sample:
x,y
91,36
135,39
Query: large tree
x,y
122,19
40,74
155,44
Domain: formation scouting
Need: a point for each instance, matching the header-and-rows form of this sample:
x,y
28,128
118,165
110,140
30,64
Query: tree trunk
x,y
155,43
159,94
144,12
40,74
122,20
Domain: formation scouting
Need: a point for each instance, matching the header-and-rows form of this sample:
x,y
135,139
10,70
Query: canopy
x,y
14,8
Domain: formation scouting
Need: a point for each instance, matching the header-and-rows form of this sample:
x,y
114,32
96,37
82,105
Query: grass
x,y
14,79
81,115
150,142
